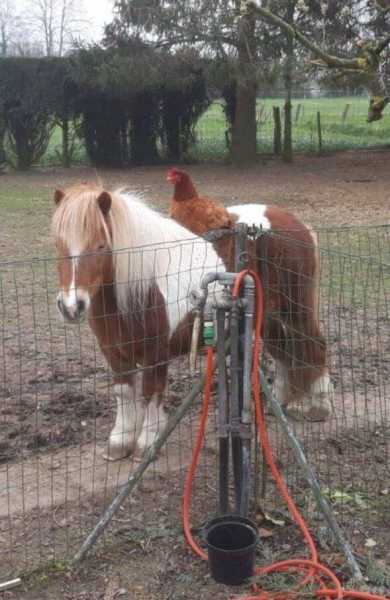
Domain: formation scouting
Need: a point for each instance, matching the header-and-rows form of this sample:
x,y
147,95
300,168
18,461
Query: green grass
x,y
52,155
20,198
354,263
25,209
353,132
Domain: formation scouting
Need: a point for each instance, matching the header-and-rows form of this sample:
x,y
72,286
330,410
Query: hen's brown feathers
x,y
196,213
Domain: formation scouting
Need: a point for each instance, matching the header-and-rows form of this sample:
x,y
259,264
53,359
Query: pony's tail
x,y
292,331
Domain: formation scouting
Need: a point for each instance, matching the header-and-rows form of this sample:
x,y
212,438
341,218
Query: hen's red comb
x,y
172,175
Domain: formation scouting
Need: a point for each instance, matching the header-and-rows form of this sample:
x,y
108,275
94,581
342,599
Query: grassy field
x,y
337,133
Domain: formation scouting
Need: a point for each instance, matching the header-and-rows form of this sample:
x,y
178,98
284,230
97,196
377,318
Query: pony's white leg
x,y
128,423
281,387
154,422
321,398
317,405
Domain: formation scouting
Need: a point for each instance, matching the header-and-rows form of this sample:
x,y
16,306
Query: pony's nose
x,y
73,304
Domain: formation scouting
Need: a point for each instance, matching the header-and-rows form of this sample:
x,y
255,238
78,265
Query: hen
x,y
197,214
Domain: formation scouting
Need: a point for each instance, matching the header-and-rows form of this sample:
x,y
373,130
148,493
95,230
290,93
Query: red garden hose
x,y
312,569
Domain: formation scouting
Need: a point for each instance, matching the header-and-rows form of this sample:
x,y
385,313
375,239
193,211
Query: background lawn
x,y
343,122
342,128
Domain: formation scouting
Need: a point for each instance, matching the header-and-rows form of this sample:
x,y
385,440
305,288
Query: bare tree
x,y
57,23
9,23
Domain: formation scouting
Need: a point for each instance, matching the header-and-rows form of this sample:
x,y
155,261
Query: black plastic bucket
x,y
231,543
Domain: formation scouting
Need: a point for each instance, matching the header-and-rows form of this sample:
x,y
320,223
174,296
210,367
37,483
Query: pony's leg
x,y
128,424
302,382
154,423
154,382
304,392
281,387
315,403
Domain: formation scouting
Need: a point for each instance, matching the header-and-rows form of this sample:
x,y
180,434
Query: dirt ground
x,y
53,417
342,188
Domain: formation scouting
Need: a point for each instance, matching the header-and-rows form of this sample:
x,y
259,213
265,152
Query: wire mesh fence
x,y
349,451
57,408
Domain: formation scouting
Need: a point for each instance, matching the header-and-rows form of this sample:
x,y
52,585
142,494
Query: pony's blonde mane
x,y
144,243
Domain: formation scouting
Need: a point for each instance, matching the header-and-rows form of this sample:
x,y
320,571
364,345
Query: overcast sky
x,y
98,12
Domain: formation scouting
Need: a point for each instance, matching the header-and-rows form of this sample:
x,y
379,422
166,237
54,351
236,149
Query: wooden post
x,y
287,153
298,112
319,132
345,113
277,130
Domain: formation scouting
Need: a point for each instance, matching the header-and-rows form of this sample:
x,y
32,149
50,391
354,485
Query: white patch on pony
x,y
321,396
70,298
73,295
161,253
314,236
281,388
128,423
154,422
251,214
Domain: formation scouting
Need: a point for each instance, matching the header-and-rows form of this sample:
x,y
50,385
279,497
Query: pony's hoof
x,y
117,452
309,411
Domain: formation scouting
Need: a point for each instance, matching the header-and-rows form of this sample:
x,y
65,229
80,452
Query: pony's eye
x,y
102,247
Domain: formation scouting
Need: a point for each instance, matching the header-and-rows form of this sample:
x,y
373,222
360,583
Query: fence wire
x,y
57,409
349,451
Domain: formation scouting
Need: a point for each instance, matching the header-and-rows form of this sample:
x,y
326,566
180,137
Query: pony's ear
x,y
58,196
104,201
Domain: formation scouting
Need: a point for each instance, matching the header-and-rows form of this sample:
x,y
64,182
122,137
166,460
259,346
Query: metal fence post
x,y
241,473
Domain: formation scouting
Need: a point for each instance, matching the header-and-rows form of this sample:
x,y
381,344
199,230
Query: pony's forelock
x,y
78,220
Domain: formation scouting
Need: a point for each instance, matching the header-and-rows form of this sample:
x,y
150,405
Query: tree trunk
x,y
277,130
171,123
65,159
143,139
125,141
64,120
3,40
287,154
243,150
2,136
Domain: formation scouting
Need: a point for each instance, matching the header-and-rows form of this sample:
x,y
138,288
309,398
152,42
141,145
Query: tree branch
x,y
382,45
329,60
193,38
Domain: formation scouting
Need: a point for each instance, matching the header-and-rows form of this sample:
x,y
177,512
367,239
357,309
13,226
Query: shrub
x,y
31,93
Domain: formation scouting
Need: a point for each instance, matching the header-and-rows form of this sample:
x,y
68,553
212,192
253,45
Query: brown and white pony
x,y
131,270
